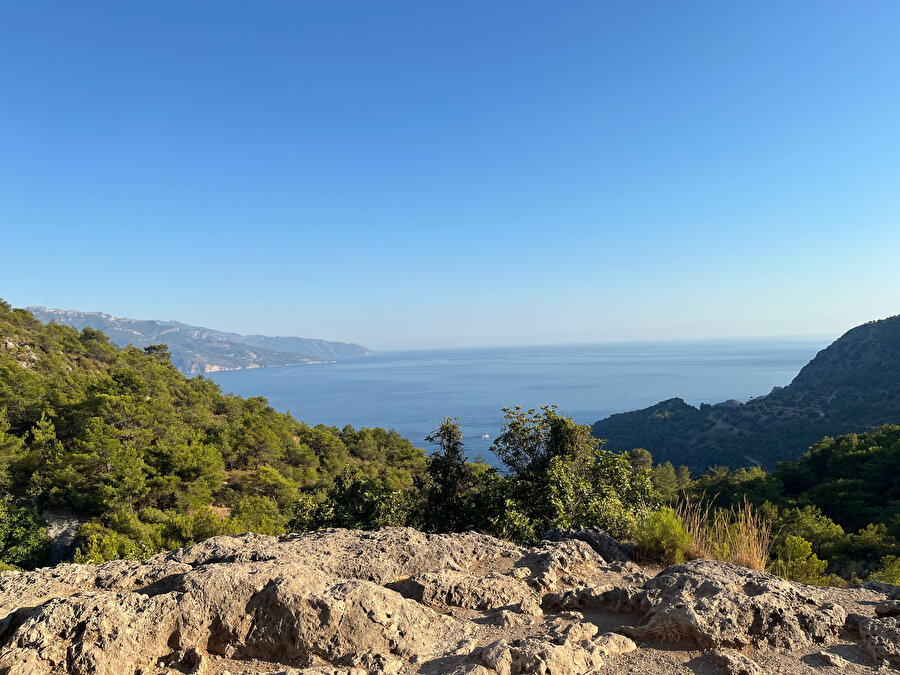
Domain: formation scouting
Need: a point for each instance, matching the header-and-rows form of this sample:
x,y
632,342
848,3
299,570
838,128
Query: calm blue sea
x,y
412,391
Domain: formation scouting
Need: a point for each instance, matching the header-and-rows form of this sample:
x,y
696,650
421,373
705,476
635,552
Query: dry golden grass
x,y
665,630
739,535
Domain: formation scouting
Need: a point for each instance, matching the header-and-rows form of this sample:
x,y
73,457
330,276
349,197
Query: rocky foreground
x,y
399,601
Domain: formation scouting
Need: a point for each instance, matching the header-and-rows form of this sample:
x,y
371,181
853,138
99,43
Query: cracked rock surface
x,y
718,604
399,601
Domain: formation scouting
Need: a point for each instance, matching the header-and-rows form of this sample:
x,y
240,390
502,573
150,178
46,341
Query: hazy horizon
x,y
419,175
475,346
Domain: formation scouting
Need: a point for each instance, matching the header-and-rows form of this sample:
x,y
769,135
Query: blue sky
x,y
416,174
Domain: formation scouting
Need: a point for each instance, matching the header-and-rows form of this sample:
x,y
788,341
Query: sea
x,y
413,391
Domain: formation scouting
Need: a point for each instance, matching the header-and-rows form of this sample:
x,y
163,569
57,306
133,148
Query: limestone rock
x,y
613,644
737,664
464,589
605,546
498,657
508,619
581,597
554,564
103,632
717,604
891,591
127,616
888,608
537,656
399,602
381,557
881,639
530,606
834,660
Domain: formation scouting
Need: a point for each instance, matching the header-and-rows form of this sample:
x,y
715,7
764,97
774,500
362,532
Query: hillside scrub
x,y
663,536
151,460
851,386
739,534
696,529
841,499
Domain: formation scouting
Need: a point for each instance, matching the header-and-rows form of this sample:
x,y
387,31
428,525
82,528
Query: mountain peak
x,y
853,385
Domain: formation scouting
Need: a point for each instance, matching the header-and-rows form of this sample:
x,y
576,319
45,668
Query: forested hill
x,y
118,448
148,459
203,350
851,386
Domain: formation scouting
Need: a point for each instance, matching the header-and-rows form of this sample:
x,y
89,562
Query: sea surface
x,y
412,391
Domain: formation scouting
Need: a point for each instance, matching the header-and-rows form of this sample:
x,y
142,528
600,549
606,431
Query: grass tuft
x,y
739,535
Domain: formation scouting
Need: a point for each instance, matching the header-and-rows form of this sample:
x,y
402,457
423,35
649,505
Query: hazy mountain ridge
x,y
196,349
851,386
322,349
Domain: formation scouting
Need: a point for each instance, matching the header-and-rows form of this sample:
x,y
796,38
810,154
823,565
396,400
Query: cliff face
x,y
399,601
851,386
203,350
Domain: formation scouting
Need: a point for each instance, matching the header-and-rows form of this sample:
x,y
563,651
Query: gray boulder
x,y
716,604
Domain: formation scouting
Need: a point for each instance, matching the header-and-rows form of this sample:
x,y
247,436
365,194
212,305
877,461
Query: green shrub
x,y
514,525
353,501
23,538
808,522
260,515
888,571
795,560
561,478
100,545
662,536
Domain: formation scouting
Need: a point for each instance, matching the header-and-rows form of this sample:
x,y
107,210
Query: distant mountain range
x,y
851,386
204,350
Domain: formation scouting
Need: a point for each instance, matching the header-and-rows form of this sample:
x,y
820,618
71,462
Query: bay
x,y
412,391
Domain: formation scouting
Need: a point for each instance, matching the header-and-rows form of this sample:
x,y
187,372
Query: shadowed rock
x,y
881,639
604,545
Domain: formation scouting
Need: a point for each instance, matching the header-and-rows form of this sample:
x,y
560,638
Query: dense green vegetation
x,y
149,460
152,460
835,511
852,386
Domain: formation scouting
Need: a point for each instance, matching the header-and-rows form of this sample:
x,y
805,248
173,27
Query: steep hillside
x,y
851,386
203,350
148,459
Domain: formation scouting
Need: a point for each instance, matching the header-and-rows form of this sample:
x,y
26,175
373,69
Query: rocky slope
x,y
851,386
398,601
204,350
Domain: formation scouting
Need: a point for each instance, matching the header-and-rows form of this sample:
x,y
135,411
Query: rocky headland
x,y
399,601
851,386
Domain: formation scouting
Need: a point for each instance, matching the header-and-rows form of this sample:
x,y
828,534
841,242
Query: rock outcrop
x,y
722,605
399,601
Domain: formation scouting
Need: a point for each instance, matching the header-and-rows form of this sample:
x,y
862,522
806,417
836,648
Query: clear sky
x,y
415,174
